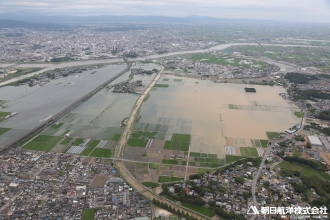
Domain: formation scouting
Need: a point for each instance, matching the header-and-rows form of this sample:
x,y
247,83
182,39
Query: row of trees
x,y
299,78
324,115
181,195
311,94
310,163
224,214
173,210
322,188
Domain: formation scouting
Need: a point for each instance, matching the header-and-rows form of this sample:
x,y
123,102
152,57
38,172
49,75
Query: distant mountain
x,y
5,23
102,19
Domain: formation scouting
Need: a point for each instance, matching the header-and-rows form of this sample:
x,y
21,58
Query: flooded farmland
x,y
215,115
92,128
35,104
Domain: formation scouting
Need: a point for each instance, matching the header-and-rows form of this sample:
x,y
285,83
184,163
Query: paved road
x,y
52,66
256,177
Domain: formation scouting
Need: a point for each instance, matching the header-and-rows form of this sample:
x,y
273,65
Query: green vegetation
x,y
32,145
264,143
195,154
78,141
4,130
116,137
137,142
324,115
174,162
299,78
232,106
249,151
204,170
200,209
153,166
57,126
3,114
273,135
257,143
299,114
288,168
60,59
166,79
146,97
164,179
88,214
311,94
231,158
178,142
20,72
42,143
297,153
161,85
182,146
100,152
150,184
181,137
314,164
66,141
298,55
177,80
91,145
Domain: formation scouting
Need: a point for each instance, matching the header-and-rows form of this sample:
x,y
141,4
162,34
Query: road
x,y
256,177
120,161
52,66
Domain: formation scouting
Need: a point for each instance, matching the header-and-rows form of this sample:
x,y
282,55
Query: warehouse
x,y
314,141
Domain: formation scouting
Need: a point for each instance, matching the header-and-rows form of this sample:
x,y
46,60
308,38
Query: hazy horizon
x,y
280,10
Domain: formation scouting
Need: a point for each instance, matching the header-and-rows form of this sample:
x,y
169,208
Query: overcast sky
x,y
291,10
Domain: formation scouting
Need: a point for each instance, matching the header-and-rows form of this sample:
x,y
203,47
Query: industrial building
x,y
315,141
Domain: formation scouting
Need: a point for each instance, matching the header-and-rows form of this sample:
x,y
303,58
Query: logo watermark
x,y
298,211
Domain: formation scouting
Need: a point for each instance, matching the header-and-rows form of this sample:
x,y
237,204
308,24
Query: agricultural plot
x,y
297,55
231,158
100,152
42,143
4,130
273,135
166,179
205,160
299,114
161,85
3,115
90,147
249,152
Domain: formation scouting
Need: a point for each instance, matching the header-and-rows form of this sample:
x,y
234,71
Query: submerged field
x,y
94,127
188,123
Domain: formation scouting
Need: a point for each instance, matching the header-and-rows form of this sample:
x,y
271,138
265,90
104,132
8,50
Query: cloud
x,y
298,10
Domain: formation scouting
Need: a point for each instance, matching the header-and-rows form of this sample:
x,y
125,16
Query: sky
x,y
289,10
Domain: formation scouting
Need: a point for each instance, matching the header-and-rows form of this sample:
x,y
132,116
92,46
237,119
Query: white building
x,y
314,140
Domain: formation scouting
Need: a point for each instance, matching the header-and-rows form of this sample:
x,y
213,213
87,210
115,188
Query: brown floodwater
x,y
219,112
